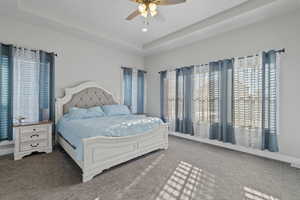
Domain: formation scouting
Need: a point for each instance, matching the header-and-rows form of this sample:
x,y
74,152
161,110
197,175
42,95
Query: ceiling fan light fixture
x,y
153,13
144,14
142,8
152,7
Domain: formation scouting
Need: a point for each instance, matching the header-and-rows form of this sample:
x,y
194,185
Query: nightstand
x,y
30,138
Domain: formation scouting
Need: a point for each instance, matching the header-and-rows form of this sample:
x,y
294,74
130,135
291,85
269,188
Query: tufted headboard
x,y
89,97
84,95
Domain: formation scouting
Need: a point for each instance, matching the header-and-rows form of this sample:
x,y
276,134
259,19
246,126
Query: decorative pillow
x,y
117,109
82,113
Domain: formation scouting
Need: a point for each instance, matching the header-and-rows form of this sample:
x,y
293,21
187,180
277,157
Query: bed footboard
x,y
102,153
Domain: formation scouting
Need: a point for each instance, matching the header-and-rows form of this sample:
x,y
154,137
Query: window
x,y
26,85
134,89
248,92
32,85
234,100
201,94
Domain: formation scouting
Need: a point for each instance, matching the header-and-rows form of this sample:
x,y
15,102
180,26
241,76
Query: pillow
x,y
95,112
82,113
112,110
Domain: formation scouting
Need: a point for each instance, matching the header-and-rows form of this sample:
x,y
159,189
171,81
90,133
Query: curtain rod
x,y
134,68
37,50
277,51
31,49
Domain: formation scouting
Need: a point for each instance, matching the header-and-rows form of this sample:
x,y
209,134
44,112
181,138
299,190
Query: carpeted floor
x,y
187,170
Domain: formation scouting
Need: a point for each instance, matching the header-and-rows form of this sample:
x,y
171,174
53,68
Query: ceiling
x,y
104,20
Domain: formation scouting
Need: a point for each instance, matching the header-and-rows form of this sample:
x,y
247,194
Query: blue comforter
x,y
111,126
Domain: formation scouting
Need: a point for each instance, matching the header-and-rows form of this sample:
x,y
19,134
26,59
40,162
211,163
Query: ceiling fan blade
x,y
169,2
133,15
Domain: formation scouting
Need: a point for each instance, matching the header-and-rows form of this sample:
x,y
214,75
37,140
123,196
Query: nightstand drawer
x,y
34,129
35,135
29,146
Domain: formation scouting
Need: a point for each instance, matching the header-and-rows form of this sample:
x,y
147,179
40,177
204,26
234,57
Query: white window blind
x,y
248,92
171,99
201,94
26,85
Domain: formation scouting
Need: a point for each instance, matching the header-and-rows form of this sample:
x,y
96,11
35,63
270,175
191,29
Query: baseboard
x,y
294,162
8,149
295,165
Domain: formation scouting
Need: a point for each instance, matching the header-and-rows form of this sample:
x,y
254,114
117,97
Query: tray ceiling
x,y
105,19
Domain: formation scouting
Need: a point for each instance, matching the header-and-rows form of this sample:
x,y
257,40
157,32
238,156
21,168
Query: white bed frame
x,y
100,153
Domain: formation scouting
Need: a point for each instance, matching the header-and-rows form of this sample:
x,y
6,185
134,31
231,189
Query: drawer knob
x,y
34,135
34,145
34,129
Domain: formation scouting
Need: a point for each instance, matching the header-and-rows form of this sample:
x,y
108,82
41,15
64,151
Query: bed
x,y
100,152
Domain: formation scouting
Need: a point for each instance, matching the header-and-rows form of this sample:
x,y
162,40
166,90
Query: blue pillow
x,y
117,109
82,113
95,112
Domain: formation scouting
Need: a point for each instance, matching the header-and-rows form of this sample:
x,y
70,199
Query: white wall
x,y
78,60
276,33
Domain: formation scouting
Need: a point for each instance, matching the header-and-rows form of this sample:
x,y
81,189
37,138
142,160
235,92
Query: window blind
x,y
201,94
26,85
33,95
248,92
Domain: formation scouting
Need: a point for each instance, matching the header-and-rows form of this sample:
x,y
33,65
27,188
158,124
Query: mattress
x,y
74,131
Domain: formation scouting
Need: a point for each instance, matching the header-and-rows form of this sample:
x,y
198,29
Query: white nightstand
x,y
32,138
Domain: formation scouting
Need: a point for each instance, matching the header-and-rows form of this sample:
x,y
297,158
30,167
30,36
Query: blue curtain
x,y
184,90
140,91
127,86
6,91
47,86
269,120
163,76
220,108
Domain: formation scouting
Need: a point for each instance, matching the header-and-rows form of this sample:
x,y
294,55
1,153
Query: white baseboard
x,y
295,165
294,162
6,147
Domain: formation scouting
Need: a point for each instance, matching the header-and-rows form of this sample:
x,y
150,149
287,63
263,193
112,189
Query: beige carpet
x,y
186,171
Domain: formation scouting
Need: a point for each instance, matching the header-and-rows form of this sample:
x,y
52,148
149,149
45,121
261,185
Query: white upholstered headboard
x,y
85,95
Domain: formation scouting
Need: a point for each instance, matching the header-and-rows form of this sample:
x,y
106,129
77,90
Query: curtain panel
x,y
127,86
163,95
6,91
255,100
168,98
184,91
140,91
220,101
248,95
270,64
201,113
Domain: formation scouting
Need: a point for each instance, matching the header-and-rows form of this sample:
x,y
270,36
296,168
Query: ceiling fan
x,y
149,7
